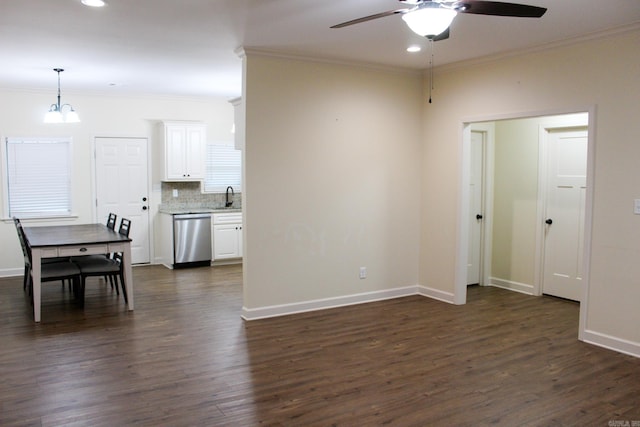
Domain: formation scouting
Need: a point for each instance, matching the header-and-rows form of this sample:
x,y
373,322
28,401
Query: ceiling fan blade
x,y
482,7
371,17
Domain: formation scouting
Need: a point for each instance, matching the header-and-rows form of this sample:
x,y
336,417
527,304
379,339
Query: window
x,y
223,167
38,180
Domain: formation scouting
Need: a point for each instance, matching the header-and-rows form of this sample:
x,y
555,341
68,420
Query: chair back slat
x,y
23,244
21,238
125,227
111,221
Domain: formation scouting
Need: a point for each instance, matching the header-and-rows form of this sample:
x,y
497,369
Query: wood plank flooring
x,y
185,358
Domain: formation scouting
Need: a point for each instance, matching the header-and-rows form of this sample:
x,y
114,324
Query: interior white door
x,y
565,213
122,186
474,258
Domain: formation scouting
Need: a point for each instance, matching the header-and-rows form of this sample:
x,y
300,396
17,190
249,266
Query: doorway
x,y
514,251
121,179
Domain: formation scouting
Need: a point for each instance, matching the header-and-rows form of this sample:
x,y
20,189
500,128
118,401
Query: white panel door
x,y
475,209
565,213
121,188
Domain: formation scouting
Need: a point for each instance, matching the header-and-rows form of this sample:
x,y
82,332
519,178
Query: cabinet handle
x,y
83,249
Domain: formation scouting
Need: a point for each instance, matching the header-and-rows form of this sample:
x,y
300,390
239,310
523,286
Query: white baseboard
x,y
436,294
325,303
11,272
511,285
612,343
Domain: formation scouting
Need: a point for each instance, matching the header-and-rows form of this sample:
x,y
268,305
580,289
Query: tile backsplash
x,y
191,196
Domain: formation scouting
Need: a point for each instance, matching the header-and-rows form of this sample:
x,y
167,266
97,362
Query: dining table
x,y
73,241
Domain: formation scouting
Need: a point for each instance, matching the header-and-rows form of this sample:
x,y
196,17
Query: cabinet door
x,y
240,246
175,149
195,152
225,241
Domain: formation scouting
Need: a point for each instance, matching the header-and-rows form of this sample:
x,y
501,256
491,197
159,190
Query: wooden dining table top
x,y
75,234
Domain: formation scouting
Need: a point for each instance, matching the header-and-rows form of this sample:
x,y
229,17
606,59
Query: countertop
x,y
186,210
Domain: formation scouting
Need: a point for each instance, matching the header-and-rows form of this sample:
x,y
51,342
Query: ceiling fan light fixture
x,y
94,3
429,21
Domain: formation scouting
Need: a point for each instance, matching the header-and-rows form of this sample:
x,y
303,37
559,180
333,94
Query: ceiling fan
x,y
431,18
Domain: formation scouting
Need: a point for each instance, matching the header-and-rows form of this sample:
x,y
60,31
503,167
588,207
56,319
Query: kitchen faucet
x,y
229,203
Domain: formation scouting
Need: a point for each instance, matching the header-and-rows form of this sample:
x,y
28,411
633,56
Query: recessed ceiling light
x,y
414,49
94,3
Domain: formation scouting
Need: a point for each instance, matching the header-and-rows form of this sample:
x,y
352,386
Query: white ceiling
x,y
186,47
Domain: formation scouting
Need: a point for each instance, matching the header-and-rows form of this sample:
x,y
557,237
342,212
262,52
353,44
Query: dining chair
x,y
27,265
110,267
49,271
111,224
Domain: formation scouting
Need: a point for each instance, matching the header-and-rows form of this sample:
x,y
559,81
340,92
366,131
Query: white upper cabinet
x,y
184,151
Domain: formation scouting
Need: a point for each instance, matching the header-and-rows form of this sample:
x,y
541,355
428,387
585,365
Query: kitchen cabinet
x,y
227,236
184,151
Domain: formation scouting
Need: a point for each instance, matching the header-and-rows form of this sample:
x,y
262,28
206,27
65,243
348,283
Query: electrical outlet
x,y
175,192
363,272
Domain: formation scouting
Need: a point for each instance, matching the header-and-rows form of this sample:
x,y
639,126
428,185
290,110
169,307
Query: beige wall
x,y
21,114
332,163
516,195
601,73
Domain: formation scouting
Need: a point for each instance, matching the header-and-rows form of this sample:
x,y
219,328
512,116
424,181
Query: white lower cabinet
x,y
227,236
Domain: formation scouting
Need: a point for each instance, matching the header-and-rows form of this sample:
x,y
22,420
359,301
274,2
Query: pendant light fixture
x,y
55,113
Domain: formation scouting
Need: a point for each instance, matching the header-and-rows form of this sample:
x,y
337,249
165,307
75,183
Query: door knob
x,y
549,221
478,216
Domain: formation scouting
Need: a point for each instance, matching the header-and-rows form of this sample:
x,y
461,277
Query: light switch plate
x,y
636,206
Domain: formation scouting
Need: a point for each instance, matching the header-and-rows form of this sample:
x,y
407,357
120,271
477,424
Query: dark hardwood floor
x,y
185,358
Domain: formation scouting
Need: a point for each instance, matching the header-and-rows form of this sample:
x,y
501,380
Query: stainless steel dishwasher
x,y
191,240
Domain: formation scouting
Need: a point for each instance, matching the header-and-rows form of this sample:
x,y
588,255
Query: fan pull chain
x,y
431,70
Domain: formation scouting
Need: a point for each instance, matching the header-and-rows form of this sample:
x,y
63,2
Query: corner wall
x,y
332,161
601,73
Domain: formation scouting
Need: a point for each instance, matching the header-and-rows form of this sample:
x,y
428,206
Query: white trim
x,y
588,221
436,294
326,303
488,162
271,53
511,285
612,343
11,272
462,220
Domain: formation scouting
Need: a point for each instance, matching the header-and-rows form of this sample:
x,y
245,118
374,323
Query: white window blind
x,y
38,177
223,167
